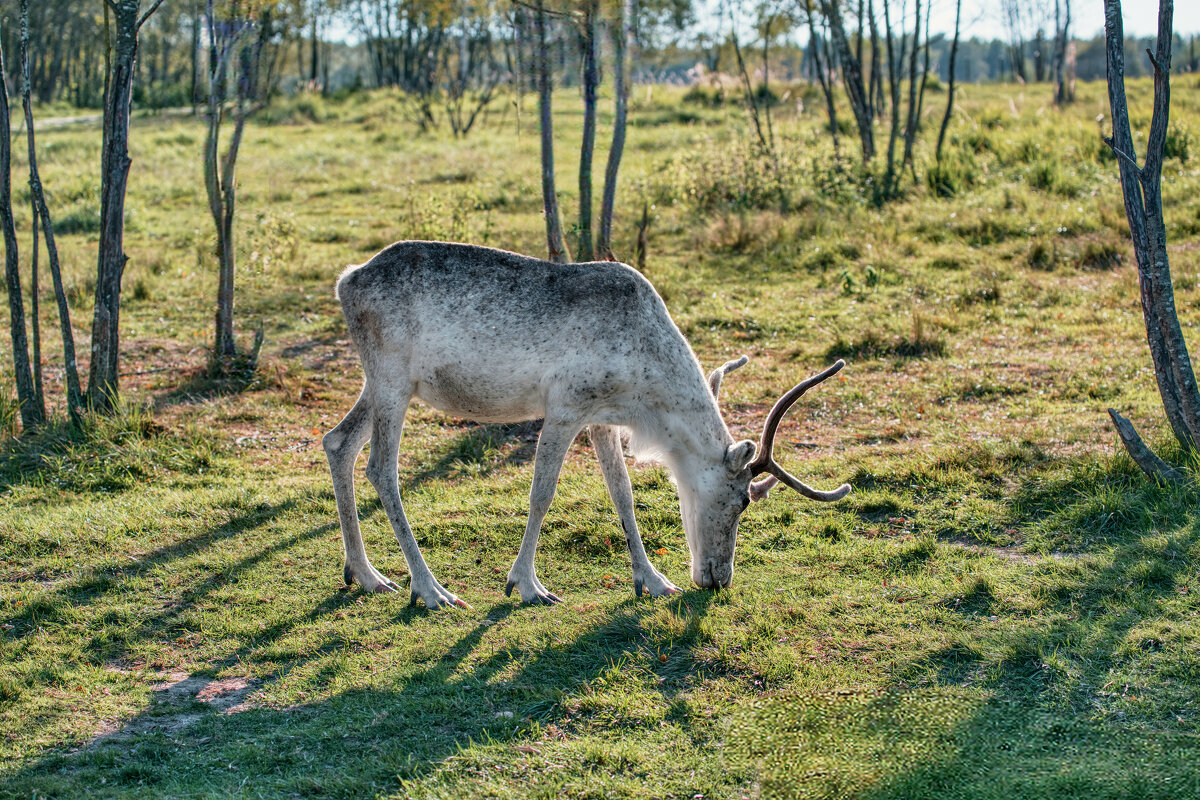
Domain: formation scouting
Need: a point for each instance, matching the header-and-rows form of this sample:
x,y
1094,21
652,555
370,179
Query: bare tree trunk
x,y
591,78
39,393
1141,187
875,92
219,173
766,57
1064,89
103,389
852,77
622,42
40,209
554,232
950,88
12,274
196,58
751,103
910,128
822,76
894,87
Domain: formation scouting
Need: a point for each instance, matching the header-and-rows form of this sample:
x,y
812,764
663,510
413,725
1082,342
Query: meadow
x,y
1002,607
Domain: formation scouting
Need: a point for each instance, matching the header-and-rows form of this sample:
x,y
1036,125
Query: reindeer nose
x,y
714,575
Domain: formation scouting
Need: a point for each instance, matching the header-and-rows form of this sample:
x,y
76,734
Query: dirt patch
x,y
172,690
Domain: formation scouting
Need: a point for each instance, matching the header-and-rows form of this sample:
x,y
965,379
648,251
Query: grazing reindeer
x,y
498,337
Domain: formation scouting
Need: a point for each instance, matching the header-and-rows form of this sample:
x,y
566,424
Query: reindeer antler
x,y
765,460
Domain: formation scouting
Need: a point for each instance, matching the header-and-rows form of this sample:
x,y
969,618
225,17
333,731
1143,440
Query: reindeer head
x,y
713,502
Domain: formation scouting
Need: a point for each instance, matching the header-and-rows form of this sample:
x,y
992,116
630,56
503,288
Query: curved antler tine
x,y
766,445
715,377
803,488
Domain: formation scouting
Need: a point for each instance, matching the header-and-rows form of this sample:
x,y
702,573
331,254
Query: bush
x,y
1100,256
1178,144
954,174
104,453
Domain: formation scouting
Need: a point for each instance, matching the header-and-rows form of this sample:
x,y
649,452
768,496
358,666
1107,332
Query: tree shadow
x,y
480,688
481,449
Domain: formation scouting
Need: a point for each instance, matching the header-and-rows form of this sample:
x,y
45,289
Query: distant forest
x,y
468,47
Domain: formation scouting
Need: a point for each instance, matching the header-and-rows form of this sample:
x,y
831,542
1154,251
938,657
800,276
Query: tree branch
x,y
149,13
1121,154
1157,68
1149,463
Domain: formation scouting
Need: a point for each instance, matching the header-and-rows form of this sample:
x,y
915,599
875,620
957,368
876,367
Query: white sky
x,y
982,17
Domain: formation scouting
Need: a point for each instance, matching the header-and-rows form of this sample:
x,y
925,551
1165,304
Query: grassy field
x,y
1002,608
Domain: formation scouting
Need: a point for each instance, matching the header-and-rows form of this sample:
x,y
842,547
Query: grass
x,y
1003,608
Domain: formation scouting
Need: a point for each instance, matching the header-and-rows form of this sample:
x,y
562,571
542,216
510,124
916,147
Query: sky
x,y
982,17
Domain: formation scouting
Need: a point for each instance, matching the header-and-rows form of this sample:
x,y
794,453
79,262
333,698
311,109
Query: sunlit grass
x,y
1004,606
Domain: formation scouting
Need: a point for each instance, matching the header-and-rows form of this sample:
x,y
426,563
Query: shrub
x,y
1178,144
954,174
1100,256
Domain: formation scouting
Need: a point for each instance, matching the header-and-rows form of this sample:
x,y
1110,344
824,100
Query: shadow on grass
x,y
482,449
362,741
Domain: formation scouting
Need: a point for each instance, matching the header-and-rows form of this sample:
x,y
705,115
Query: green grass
x,y
1003,607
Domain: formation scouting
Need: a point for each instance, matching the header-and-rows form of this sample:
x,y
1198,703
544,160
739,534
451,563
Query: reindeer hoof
x,y
385,588
637,588
508,589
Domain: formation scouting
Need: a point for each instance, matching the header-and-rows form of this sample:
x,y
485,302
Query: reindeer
x,y
494,336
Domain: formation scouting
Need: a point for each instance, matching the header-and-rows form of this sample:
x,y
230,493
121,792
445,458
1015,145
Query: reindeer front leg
x,y
607,442
555,439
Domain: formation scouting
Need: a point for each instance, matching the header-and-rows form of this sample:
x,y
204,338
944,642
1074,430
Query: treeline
x,y
453,54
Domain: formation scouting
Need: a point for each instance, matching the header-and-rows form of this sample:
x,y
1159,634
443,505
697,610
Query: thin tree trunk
x,y
39,393
910,129
875,92
823,77
852,78
554,232
103,376
196,59
591,78
1063,92
894,87
12,274
1141,187
315,53
766,56
950,88
621,45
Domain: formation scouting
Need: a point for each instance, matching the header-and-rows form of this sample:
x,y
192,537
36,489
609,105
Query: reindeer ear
x,y
738,456
715,377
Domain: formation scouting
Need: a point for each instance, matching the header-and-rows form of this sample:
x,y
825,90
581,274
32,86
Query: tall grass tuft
x,y
105,453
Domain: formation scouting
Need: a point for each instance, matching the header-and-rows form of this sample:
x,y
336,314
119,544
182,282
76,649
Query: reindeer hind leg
x,y
342,446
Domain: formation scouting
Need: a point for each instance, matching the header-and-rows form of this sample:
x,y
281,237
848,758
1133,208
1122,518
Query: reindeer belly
x,y
480,395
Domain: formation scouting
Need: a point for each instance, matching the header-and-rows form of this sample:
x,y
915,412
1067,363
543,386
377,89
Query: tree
x,y
1141,187
236,41
851,76
622,41
1064,60
950,88
555,242
26,396
42,211
824,74
102,393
